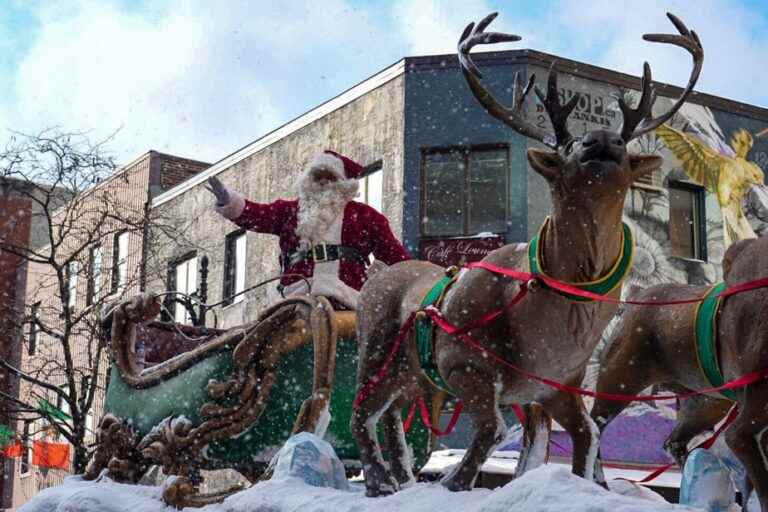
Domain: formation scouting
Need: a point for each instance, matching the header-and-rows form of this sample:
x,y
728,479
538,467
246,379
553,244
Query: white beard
x,y
321,205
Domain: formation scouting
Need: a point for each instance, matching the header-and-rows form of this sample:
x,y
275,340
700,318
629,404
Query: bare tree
x,y
87,254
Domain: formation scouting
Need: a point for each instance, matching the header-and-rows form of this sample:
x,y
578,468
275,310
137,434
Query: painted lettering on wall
x,y
457,251
591,111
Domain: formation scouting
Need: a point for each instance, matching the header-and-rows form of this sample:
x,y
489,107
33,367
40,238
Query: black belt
x,y
324,252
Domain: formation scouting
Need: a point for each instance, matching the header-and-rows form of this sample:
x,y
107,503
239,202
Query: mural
x,y
715,151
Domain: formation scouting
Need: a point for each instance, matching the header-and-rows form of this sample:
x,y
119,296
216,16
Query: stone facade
x,y
368,129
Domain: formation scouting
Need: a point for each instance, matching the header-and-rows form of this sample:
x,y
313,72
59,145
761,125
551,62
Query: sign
x,y
458,251
592,110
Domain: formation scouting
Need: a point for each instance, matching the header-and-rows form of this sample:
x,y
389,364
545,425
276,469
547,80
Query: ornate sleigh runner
x,y
212,399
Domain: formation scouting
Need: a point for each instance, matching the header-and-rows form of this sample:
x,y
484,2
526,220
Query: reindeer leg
x,y
536,431
628,365
570,412
394,436
748,438
483,406
694,416
378,481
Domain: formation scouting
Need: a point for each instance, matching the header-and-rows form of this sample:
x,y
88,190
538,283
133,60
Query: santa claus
x,y
325,236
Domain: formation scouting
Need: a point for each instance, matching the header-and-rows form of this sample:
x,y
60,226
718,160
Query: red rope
x,y
449,328
427,419
706,444
574,290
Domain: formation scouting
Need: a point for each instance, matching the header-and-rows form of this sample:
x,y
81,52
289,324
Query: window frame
x,y
119,265
230,274
26,451
95,278
33,334
373,169
72,271
172,283
466,151
699,228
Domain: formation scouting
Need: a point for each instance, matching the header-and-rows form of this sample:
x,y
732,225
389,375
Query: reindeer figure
x,y
546,333
658,345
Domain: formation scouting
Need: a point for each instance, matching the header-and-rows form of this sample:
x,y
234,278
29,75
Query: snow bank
x,y
546,489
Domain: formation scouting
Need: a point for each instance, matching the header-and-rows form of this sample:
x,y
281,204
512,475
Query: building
x,y
22,226
455,182
99,242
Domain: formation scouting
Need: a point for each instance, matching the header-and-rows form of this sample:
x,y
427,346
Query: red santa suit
x,y
324,221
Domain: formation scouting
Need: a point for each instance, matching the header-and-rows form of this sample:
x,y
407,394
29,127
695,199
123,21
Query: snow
x,y
550,488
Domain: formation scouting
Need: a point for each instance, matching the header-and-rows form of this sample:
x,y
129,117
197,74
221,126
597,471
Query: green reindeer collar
x,y
602,286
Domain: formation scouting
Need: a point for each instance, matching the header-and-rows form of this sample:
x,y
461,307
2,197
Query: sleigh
x,y
212,399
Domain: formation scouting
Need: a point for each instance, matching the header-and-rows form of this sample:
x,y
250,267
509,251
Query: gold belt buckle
x,y
319,253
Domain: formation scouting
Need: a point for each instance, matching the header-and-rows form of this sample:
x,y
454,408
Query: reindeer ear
x,y
546,163
643,164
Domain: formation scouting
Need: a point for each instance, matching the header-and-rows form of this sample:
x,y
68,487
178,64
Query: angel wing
x,y
700,162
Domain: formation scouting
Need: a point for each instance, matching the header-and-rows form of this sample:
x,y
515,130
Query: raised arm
x,y
260,217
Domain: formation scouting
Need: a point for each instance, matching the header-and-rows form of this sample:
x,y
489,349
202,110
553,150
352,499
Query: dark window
x,y
32,335
465,191
234,266
25,459
687,226
94,274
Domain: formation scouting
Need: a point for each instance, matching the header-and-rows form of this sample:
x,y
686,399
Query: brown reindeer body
x,y
545,333
654,345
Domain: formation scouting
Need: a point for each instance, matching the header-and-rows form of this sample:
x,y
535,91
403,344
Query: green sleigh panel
x,y
185,393
232,400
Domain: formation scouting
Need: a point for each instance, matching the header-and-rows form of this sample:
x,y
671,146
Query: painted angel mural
x,y
723,169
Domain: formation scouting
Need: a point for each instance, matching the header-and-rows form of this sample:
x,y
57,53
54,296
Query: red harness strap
x,y
449,328
427,419
573,290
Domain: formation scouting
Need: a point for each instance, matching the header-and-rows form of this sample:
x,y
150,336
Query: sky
x,y
200,79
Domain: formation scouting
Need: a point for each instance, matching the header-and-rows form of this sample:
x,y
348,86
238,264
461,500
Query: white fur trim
x,y
234,208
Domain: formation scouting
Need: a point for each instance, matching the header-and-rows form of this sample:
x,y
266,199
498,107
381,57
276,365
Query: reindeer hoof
x,y
454,484
380,485
380,490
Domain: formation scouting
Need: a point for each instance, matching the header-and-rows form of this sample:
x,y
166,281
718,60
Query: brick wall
x,y
15,215
174,170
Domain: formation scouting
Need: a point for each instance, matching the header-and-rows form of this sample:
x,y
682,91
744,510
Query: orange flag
x,y
50,455
13,450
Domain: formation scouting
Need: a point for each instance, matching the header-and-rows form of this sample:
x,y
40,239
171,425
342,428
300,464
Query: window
x,y
25,466
465,191
687,226
234,266
94,274
32,333
372,190
71,274
120,262
184,276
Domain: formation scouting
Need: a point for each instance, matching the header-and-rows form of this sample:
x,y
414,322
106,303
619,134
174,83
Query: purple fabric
x,y
636,439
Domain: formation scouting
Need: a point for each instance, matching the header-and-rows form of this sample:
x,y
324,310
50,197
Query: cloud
x,y
609,34
188,79
201,82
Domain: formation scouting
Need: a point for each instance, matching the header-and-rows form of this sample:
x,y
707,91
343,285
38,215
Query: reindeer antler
x,y
639,121
514,117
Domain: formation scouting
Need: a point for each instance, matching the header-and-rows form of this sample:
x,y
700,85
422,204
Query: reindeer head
x,y
598,163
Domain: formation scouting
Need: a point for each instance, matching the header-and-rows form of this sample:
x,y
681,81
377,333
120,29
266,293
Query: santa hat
x,y
345,168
